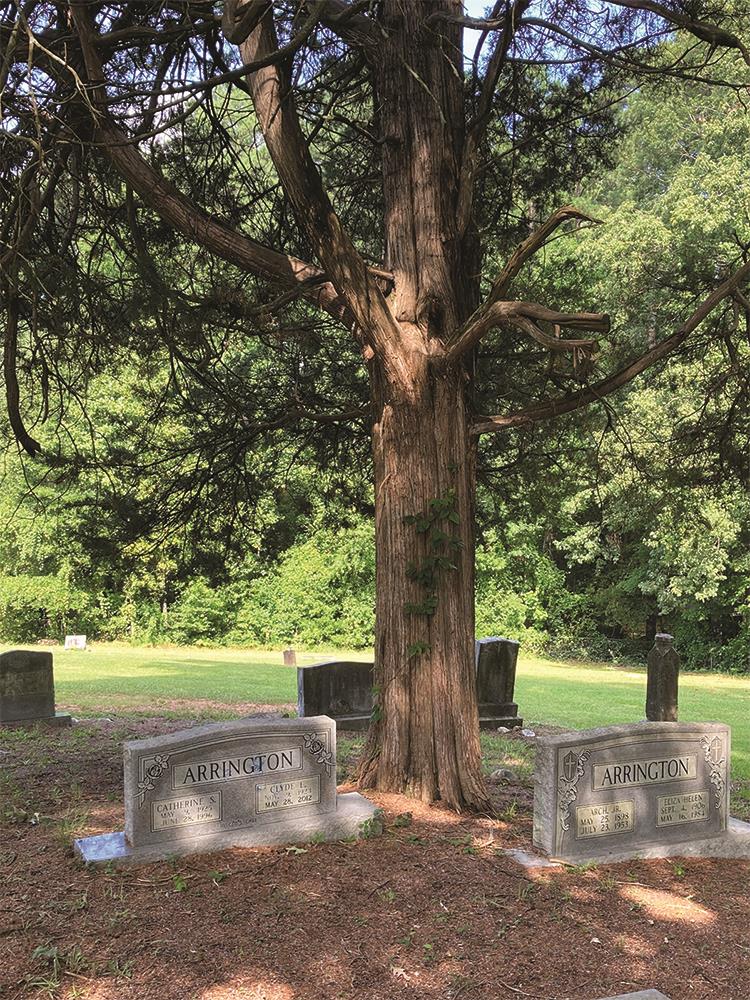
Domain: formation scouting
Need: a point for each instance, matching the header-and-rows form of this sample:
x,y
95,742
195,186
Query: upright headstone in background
x,y
231,784
75,642
496,680
341,689
290,658
27,690
663,680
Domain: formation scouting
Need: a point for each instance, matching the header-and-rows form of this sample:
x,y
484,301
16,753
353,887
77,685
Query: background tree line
x,y
593,532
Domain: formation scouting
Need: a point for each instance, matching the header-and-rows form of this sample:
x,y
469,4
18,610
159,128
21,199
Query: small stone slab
x,y
251,782
651,789
528,860
640,995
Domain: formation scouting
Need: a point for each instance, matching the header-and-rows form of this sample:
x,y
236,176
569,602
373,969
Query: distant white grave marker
x,y
75,642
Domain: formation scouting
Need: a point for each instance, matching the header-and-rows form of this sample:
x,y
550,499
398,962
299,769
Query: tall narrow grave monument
x,y
663,680
27,690
496,680
232,784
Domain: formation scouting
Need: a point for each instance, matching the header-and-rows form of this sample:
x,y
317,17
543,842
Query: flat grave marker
x,y
232,784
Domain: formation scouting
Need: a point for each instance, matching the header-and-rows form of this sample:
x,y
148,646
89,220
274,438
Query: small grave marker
x,y
75,642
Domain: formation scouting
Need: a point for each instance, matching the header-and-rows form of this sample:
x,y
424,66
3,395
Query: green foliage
x,y
202,614
34,606
321,592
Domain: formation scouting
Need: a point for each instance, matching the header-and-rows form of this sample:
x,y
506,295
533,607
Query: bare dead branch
x,y
532,245
524,315
567,404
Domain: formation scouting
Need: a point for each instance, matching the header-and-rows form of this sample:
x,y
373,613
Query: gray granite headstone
x,y
27,690
243,783
663,680
496,679
646,790
290,658
341,689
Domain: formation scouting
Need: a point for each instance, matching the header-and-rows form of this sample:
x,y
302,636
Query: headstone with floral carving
x,y
245,783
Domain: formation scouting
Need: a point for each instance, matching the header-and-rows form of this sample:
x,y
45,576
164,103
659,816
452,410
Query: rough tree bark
x,y
425,737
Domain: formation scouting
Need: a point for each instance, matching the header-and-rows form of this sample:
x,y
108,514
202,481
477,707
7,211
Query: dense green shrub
x,y
34,607
321,592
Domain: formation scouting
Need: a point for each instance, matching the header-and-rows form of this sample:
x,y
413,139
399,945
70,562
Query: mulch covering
x,y
432,909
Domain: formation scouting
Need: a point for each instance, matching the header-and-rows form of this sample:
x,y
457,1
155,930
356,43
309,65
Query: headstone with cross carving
x,y
652,789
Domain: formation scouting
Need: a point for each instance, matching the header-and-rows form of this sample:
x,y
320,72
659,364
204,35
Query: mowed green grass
x,y
585,695
114,678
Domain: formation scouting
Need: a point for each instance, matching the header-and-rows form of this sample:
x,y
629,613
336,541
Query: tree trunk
x,y
425,737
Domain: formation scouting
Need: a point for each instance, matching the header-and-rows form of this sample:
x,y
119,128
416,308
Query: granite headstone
x,y
653,789
341,689
27,690
234,784
496,679
75,642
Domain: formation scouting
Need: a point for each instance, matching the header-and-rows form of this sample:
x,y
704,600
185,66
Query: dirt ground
x,y
432,909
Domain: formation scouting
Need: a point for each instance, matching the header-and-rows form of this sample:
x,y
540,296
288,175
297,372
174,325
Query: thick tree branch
x,y
300,178
567,404
174,208
10,375
524,315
